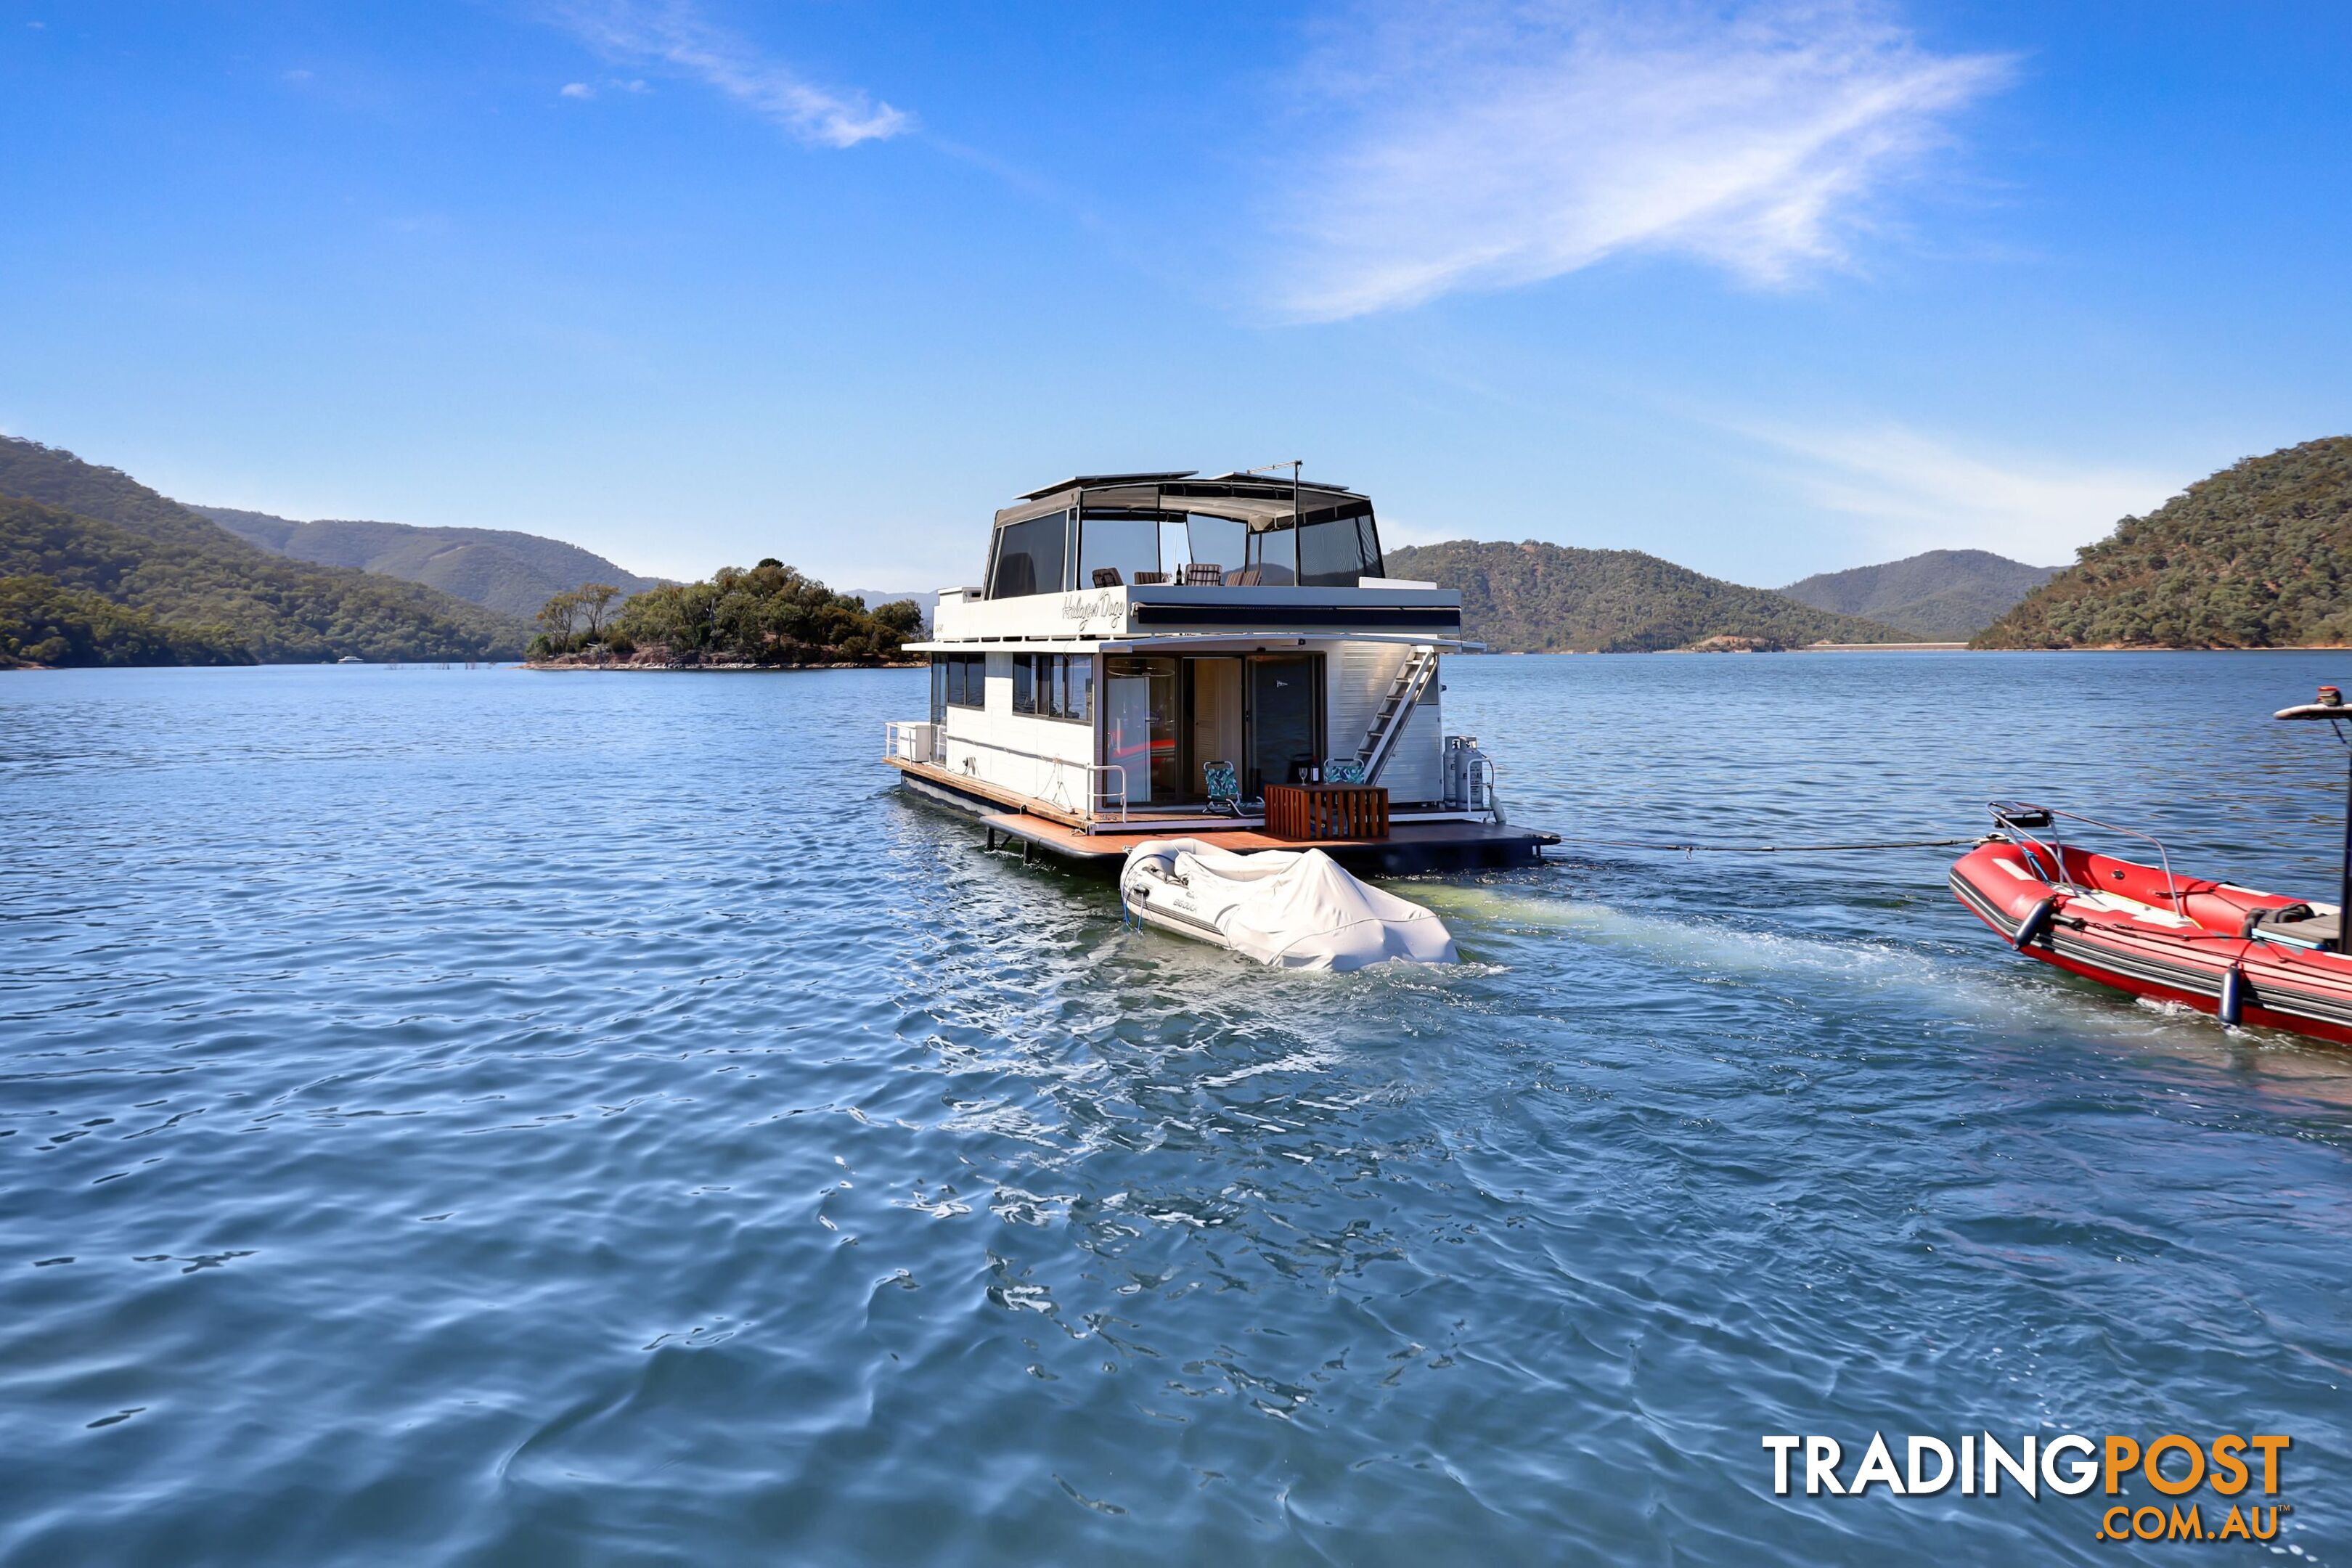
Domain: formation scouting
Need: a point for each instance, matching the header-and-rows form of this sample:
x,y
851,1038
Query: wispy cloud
x,y
1496,142
1921,492
674,34
580,89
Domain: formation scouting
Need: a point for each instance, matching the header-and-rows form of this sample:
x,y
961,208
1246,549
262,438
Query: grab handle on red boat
x,y
2018,817
2036,922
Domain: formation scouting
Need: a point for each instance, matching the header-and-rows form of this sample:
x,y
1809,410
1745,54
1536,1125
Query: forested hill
x,y
1552,598
2259,555
69,529
1943,596
513,574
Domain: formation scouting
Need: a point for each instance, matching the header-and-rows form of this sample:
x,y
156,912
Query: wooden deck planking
x,y
1436,844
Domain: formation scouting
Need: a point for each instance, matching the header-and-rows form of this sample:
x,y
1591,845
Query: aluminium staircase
x,y
1404,694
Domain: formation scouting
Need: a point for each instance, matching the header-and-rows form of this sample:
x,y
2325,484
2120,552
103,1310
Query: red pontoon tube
x,y
2249,957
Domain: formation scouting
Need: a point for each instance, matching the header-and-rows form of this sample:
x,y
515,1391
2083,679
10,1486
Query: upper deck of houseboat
x,y
1118,555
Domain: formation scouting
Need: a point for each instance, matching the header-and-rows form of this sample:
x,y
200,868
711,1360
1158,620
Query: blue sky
x,y
1766,289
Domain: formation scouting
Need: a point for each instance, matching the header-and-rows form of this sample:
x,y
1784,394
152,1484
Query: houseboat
x,y
1160,654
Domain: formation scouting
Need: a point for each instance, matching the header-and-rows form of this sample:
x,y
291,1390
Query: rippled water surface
x,y
480,1116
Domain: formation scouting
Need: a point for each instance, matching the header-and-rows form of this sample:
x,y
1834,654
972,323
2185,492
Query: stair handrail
x,y
1396,708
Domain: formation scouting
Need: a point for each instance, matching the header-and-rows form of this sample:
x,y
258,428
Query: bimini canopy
x,y
1255,532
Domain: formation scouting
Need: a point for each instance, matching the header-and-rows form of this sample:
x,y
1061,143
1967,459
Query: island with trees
x,y
768,617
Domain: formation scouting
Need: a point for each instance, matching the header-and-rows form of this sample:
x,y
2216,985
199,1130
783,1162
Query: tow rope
x,y
1687,850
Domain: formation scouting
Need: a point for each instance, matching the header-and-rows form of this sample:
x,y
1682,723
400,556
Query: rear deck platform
x,y
1410,846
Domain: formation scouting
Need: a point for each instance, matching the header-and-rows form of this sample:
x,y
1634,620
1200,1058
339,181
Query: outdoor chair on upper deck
x,y
1204,575
1247,577
1107,577
1149,579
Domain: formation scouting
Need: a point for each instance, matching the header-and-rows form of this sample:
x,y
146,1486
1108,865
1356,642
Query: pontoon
x,y
1160,654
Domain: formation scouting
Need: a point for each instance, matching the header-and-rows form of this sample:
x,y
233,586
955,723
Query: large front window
x,y
1334,551
1320,551
1029,557
1331,548
1118,549
1219,541
1275,553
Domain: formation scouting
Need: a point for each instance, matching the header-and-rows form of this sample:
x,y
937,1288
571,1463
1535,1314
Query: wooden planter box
x,y
1327,811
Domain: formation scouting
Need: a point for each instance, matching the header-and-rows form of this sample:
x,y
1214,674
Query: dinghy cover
x,y
1293,909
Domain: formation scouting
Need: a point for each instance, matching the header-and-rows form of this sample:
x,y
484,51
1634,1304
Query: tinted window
x,y
1332,555
966,679
1029,558
1218,541
1078,688
1126,544
1276,556
1025,683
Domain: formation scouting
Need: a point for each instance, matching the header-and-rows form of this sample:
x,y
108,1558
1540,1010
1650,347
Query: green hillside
x,y
97,530
2259,555
1551,598
43,622
1943,596
513,574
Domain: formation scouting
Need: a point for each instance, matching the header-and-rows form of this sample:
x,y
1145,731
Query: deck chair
x,y
1247,577
1204,575
1149,579
1224,782
1107,577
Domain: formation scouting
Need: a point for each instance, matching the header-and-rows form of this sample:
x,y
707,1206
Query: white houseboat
x,y
1148,653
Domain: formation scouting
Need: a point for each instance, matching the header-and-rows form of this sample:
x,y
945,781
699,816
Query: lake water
x,y
479,1116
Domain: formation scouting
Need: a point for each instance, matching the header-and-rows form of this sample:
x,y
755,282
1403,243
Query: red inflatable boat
x,y
2249,957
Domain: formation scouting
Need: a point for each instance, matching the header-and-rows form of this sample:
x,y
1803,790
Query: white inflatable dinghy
x,y
1293,909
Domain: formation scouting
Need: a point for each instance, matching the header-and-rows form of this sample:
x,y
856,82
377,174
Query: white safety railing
x,y
1099,798
1480,784
921,740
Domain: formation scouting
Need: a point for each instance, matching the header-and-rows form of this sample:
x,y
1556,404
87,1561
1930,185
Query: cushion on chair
x,y
1343,769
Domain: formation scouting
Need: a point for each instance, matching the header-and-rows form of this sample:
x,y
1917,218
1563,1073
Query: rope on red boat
x,y
1765,848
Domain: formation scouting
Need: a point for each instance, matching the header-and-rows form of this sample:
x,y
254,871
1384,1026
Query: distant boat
x,y
351,658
